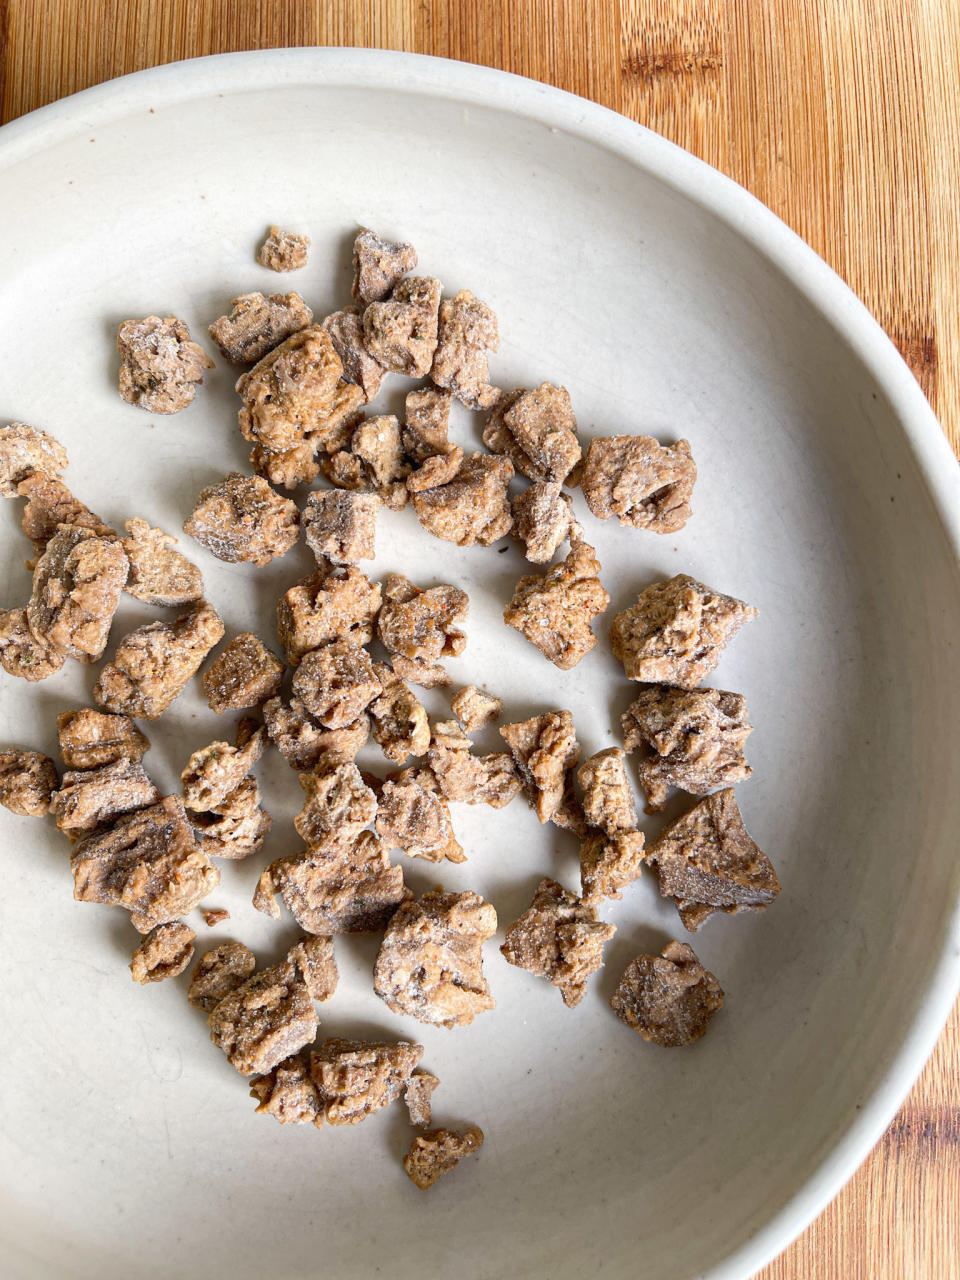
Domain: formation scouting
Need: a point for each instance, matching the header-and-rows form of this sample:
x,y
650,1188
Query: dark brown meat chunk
x,y
88,798
537,431
417,821
51,504
473,506
608,863
283,250
559,938
544,749
607,797
242,520
91,738
21,653
436,1152
24,450
359,367
341,526
158,573
257,324
667,999
467,331
264,1020
491,779
401,332
28,780
304,742
417,1097
378,265
76,589
357,1078
400,724
554,610
164,953
340,605
337,683
420,627
214,915
288,1093
218,972
243,675
644,484
160,368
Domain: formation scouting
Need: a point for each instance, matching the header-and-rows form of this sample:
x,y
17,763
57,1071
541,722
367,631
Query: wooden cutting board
x,y
842,116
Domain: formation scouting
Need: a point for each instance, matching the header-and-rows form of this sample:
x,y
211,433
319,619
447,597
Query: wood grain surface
x,y
842,116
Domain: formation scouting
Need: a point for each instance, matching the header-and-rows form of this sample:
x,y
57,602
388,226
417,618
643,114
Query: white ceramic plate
x,y
670,302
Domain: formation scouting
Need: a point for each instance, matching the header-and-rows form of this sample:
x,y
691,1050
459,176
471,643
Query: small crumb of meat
x,y
608,863
21,653
315,959
28,780
337,683
88,798
378,265
284,250
341,526
357,1078
554,611
544,749
645,484
214,915
148,862
400,724
242,520
303,741
667,999
264,1020
76,589
427,424
242,675
417,1097
218,972
164,953
154,663
607,797
338,806
288,1093
91,738
430,964
471,779
676,632
51,504
401,332
416,820
213,772
359,367
473,506
374,462
235,826
24,450
160,368
467,330
542,518
340,605
158,573
290,394
257,324
475,708
436,1152
537,431
559,938
420,627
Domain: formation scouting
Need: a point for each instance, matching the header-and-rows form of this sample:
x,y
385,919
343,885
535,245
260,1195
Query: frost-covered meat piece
x,y
158,573
417,1096
430,964
491,779
400,724
357,1078
242,675
609,863
341,526
676,632
401,332
284,250
304,742
289,394
153,664
474,708
28,780
427,424
242,520
21,653
257,324
337,683
439,470
537,431
214,771
554,610
88,798
374,462
471,507
667,999
568,814
24,450
265,1020
708,862
416,820
340,605
51,504
359,367
288,1094
148,862
236,826
314,957
288,468
76,590
378,265
420,627
435,1153
542,518
218,972
164,953
160,368
467,331
91,738
645,484
607,797
338,806
559,938
544,749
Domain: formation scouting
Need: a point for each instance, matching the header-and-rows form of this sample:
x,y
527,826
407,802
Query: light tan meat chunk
x,y
645,484
341,526
544,749
474,707
427,424
235,826
357,1078
676,632
158,573
608,863
340,605
435,1153
289,395
28,780
400,724
537,431
667,999
242,520
607,797
283,250
338,806
24,450
257,324
76,590
91,738
430,964
568,814
555,610
164,953
337,683
51,504
559,938
21,653
467,330
288,1094
417,1097
288,468
315,959
303,741
420,627
374,462
491,779
542,518
160,368
401,332
439,470
378,265
218,972
88,798
214,771
359,367
148,862
416,820
265,1020
242,675
471,507
153,664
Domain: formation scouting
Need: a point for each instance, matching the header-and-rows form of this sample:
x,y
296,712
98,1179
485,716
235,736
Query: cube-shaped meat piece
x,y
76,590
154,663
537,431
430,964
474,707
708,862
158,573
473,506
667,999
692,739
257,324
645,484
266,1019
88,798
284,250
236,826
374,463
542,518
420,627
559,938
288,1094
148,862
427,424
214,771
218,972
378,265
28,780
242,520
357,1078
609,863
24,450
91,738
544,749
242,675
417,821
339,805
359,367
435,1153
417,1097
340,526
607,797
461,775
400,724
303,741
676,632
337,683
160,368
467,331
402,332
290,393
554,610
21,653
314,957
340,605
164,953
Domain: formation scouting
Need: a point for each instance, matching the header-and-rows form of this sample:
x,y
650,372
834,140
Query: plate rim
x,y
694,180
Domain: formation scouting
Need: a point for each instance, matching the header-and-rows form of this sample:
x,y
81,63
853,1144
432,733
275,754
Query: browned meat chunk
x,y
90,738
314,957
153,664
359,367
90,797
288,1094
341,605
467,331
339,805
554,610
461,775
474,708
264,1020
427,424
559,938
544,748
357,1078
417,1097
158,573
164,953
303,741
537,431
609,863
437,471
402,332
148,862
420,627
28,780
51,504
290,394
645,484
242,520
257,324
236,826
435,1153
569,812
676,632
214,771
430,963
543,517
219,972
378,265
288,468
667,999
21,653
607,797
337,683
374,463
693,740
214,915
76,590
283,250
471,507
340,526
400,723
24,450
160,368
243,675
417,821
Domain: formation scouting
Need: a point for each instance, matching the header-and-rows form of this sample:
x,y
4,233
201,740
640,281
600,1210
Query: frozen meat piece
x,y
491,779
264,1020
158,573
436,471
359,367
214,771
544,749
51,504
417,1096
76,590
303,741
314,957
667,999
607,797
24,450
357,1078
473,506
257,324
420,627
242,520
91,738
218,972
164,953
236,826
21,653
338,806
416,820
427,424
340,605
374,462
645,484
474,707
290,393
608,863
400,724
378,265
88,798
559,938
554,610
28,780
341,526
288,468
568,814
337,683
288,1094
436,1152
283,250
467,330
242,675
542,518
160,368
537,431
401,332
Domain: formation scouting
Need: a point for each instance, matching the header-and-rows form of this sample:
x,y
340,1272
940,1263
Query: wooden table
x,y
841,115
